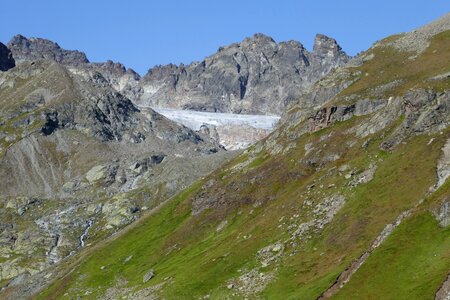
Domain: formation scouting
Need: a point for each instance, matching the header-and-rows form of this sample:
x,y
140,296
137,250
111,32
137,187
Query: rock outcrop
x,y
30,49
6,60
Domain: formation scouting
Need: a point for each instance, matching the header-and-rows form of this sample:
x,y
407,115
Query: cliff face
x,y
256,76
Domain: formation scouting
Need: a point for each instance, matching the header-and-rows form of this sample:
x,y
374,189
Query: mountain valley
x,y
265,171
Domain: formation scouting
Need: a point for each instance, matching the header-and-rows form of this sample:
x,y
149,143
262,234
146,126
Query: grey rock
x,y
21,211
149,275
442,214
443,166
364,177
256,75
104,174
418,40
424,111
18,279
444,291
124,80
32,49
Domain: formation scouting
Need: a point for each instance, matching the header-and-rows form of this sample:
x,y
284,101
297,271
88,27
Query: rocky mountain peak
x,y
18,39
258,39
259,43
326,46
257,75
117,69
30,49
6,60
161,71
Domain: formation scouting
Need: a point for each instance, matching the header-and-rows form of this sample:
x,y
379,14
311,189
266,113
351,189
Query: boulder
x,y
104,174
149,275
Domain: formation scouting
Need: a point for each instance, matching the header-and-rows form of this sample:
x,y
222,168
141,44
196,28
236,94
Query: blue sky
x,y
142,34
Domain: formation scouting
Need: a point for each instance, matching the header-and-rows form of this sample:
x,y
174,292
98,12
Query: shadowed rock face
x,y
6,59
24,49
257,75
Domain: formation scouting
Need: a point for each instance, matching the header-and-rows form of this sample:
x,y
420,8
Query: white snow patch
x,y
195,119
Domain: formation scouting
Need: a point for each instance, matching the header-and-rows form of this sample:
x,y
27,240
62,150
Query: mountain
x,y
256,76
24,49
33,49
348,198
80,161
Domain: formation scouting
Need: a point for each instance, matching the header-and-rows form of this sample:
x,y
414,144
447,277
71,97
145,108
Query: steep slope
x,y
349,200
79,161
48,98
256,76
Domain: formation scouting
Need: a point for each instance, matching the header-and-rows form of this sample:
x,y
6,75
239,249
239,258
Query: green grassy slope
x,y
261,199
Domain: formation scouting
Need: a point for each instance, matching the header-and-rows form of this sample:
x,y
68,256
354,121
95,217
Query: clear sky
x,y
142,34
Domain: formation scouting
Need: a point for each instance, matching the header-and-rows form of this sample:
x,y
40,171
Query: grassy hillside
x,y
177,245
286,218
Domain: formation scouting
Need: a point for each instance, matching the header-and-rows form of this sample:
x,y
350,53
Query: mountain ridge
x,y
238,87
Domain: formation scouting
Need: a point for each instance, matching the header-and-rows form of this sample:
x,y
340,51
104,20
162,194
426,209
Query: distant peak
x,y
17,37
326,46
292,44
262,36
259,38
31,49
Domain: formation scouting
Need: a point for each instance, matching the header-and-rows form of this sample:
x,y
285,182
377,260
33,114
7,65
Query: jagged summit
x,y
26,49
257,40
257,75
32,49
117,68
326,46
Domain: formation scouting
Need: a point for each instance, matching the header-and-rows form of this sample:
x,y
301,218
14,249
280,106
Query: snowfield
x,y
195,119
